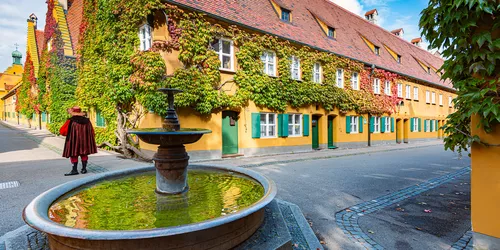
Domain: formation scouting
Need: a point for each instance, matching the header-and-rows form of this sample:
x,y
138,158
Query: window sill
x,y
272,76
227,71
294,136
354,133
416,100
268,137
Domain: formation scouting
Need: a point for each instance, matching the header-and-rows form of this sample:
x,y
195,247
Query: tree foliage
x,y
469,34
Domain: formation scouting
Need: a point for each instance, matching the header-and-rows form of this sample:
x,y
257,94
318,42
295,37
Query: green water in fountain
x,y
130,203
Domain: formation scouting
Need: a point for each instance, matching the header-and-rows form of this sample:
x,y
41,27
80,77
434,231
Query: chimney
x,y
32,18
64,4
398,32
372,16
416,41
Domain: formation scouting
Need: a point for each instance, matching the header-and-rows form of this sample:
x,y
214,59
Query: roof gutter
x,y
305,44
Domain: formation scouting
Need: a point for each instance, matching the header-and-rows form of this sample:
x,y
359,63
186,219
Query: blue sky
x,y
393,14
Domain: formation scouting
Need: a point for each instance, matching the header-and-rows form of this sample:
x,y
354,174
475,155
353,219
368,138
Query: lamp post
x,y
369,115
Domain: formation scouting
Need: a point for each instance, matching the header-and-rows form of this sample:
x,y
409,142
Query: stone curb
x,y
464,243
347,219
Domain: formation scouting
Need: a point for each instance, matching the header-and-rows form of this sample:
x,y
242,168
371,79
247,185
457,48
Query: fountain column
x,y
171,169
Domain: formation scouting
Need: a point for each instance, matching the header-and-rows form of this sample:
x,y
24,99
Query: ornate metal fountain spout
x,y
171,159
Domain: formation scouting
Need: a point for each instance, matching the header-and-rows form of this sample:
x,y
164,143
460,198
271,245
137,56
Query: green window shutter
x,y
392,124
255,125
360,125
280,125
348,124
436,124
419,124
432,125
284,125
306,125
412,124
425,125
44,117
372,125
382,128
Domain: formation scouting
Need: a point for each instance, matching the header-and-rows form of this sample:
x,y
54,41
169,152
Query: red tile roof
x,y
260,15
40,42
74,18
416,40
371,12
397,30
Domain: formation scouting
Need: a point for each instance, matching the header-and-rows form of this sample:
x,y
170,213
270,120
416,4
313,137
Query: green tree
x,y
468,32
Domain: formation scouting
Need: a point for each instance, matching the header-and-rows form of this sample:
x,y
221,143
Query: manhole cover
x,y
9,184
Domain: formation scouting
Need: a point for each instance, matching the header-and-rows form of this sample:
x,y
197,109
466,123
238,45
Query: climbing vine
x,y
25,102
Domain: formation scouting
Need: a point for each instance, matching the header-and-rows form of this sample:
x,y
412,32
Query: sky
x,y
393,14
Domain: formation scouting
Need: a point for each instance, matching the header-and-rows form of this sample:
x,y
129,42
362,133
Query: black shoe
x,y
84,167
71,173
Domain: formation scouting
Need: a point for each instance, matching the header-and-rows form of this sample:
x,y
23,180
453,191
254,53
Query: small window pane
x,y
226,47
226,62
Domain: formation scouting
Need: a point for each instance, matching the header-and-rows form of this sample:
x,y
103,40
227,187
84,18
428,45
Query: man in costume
x,y
80,139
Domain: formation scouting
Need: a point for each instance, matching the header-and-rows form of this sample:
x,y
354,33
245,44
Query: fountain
x,y
168,206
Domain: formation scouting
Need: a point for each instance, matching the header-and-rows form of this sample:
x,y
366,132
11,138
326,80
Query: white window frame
x,y
433,97
408,91
296,123
387,88
440,100
355,124
355,80
427,96
295,66
221,54
339,79
268,125
376,86
317,73
415,124
450,101
387,124
376,124
415,93
400,90
145,37
268,58
428,125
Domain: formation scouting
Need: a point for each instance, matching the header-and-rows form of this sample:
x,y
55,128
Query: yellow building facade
x,y
8,80
252,130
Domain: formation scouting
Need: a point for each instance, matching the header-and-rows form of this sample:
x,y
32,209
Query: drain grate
x,y
9,184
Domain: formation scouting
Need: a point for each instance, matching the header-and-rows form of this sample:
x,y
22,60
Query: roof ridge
x,y
375,25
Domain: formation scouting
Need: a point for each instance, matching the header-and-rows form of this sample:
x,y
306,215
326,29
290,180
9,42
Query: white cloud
x,y
13,26
353,6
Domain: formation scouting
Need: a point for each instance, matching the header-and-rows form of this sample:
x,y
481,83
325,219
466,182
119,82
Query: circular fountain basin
x,y
166,137
184,230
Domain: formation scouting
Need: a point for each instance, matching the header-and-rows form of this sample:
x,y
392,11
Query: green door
x,y
315,134
331,145
229,132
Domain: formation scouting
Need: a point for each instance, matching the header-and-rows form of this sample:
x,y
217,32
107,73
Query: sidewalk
x,y
111,161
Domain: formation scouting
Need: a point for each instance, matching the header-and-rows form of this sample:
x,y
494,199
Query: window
x,y
376,86
340,78
317,73
450,101
415,93
224,48
427,125
294,124
376,124
267,125
433,98
295,68
49,45
377,50
355,80
331,32
99,119
427,96
440,100
408,92
355,124
285,15
428,70
415,124
400,90
387,124
268,58
145,37
399,59
387,88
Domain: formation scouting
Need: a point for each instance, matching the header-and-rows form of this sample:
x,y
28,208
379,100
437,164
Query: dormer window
x,y
428,70
331,32
145,37
376,50
285,15
399,59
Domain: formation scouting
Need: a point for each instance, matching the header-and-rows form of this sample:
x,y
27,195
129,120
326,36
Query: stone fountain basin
x,y
166,137
223,232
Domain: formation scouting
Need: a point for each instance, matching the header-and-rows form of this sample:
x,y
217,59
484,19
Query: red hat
x,y
76,111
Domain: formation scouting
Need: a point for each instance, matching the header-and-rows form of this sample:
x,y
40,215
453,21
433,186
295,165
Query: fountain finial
x,y
171,121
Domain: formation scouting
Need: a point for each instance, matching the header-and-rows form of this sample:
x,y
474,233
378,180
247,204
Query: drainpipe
x,y
369,115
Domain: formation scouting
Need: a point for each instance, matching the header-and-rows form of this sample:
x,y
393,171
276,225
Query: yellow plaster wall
x,y
485,181
393,54
32,47
60,18
11,76
370,44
